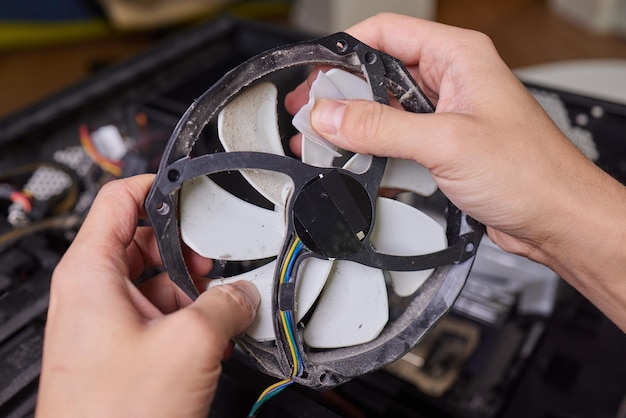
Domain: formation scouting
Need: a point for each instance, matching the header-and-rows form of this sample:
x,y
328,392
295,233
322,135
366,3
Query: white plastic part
x,y
316,155
338,84
250,123
359,163
400,174
401,229
334,84
216,224
322,87
353,308
109,142
311,278
409,176
262,329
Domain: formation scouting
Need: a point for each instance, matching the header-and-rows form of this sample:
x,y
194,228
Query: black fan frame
x,y
324,369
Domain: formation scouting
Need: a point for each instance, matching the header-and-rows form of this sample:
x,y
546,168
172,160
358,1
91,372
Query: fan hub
x,y
333,214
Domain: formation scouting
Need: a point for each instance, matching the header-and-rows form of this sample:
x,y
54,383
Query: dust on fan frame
x,y
327,364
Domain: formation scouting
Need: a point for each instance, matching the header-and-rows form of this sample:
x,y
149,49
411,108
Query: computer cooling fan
x,y
337,251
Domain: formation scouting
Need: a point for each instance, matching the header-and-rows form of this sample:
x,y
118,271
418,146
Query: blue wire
x,y
291,261
267,397
293,342
290,336
288,313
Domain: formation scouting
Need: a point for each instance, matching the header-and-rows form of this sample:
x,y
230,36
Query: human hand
x,y
476,136
492,150
114,350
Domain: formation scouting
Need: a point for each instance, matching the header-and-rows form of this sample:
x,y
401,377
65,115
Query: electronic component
x,y
435,364
328,242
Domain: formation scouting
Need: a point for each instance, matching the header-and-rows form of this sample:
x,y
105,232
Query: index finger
x,y
93,273
112,220
98,256
404,37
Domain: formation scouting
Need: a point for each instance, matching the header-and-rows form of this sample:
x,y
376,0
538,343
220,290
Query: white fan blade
x,y
338,84
351,86
408,175
353,308
310,280
400,229
250,123
312,275
400,174
216,224
359,163
262,328
315,149
334,84
315,154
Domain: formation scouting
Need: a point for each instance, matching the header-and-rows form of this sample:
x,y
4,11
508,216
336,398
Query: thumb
x,y
370,127
229,308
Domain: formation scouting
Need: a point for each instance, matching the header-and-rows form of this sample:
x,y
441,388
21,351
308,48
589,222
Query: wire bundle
x,y
286,319
21,198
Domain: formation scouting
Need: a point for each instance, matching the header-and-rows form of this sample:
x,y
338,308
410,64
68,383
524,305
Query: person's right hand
x,y
491,149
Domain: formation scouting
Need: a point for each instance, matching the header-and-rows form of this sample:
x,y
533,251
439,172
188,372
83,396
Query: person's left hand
x,y
114,350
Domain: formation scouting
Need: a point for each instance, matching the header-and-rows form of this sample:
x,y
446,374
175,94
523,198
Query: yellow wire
x,y
289,255
283,317
292,349
269,388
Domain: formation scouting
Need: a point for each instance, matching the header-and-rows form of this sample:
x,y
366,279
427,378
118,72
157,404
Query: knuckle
x,y
236,300
477,44
363,122
479,38
455,139
228,313
196,328
383,16
195,319
118,192
112,187
113,191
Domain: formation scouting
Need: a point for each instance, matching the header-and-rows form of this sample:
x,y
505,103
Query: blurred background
x,y
46,45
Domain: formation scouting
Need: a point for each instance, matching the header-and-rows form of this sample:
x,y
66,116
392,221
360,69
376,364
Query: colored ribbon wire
x,y
286,319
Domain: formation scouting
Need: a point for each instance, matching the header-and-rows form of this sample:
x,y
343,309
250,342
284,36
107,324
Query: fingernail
x,y
326,116
250,290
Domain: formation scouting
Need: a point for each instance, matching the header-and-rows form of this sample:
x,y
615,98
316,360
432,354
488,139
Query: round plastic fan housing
x,y
336,253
